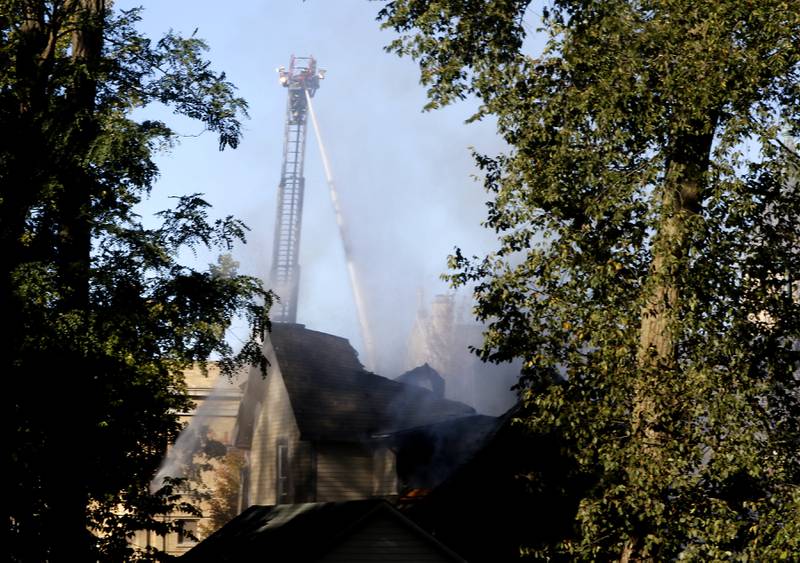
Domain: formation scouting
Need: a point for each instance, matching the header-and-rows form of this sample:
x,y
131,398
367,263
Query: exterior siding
x,y
344,472
384,539
303,473
384,472
275,422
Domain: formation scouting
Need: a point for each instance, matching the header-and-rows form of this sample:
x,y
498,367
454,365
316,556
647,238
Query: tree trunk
x,y
73,204
685,177
628,551
76,201
686,168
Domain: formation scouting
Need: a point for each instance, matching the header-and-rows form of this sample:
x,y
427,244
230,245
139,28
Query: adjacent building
x,y
209,430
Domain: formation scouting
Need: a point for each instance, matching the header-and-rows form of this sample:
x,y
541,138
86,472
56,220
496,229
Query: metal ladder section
x,y
285,273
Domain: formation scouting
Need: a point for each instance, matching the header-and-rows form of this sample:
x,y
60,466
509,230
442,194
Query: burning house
x,y
328,442
319,427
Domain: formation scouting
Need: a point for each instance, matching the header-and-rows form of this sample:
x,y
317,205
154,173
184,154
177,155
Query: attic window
x,y
282,480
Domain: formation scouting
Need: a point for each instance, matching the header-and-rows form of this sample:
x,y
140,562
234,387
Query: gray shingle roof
x,y
302,532
335,398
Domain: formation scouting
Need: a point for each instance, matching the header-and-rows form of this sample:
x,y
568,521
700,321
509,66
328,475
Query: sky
x,y
405,177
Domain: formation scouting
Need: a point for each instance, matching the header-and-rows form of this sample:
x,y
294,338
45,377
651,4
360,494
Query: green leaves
x,y
647,241
173,72
187,83
105,318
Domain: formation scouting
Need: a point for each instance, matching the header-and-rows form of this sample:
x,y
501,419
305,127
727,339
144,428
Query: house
x,y
363,530
318,426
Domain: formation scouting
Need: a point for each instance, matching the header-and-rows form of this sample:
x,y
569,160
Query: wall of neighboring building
x,y
275,424
216,401
174,544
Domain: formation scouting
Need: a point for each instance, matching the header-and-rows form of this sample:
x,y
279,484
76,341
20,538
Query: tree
x,y
224,502
100,317
648,242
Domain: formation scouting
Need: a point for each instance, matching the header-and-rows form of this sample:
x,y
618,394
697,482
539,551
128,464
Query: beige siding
x,y
385,540
384,472
275,422
304,482
344,472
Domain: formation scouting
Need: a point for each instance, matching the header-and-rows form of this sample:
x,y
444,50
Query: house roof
x,y
424,376
300,532
335,399
523,483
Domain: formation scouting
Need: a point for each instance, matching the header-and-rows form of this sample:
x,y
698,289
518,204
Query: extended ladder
x,y
301,78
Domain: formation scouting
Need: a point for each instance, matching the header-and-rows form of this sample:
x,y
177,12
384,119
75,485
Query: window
x,y
282,480
187,533
384,472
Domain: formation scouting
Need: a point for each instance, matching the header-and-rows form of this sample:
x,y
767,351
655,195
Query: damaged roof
x,y
335,399
428,454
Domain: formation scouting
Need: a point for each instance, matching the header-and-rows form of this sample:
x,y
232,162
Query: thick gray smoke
x,y
442,336
404,177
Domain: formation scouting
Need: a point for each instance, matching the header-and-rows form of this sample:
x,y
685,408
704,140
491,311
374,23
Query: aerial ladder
x,y
302,81
302,77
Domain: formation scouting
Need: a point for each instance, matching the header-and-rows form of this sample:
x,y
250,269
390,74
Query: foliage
x,y
100,316
224,502
111,524
647,217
